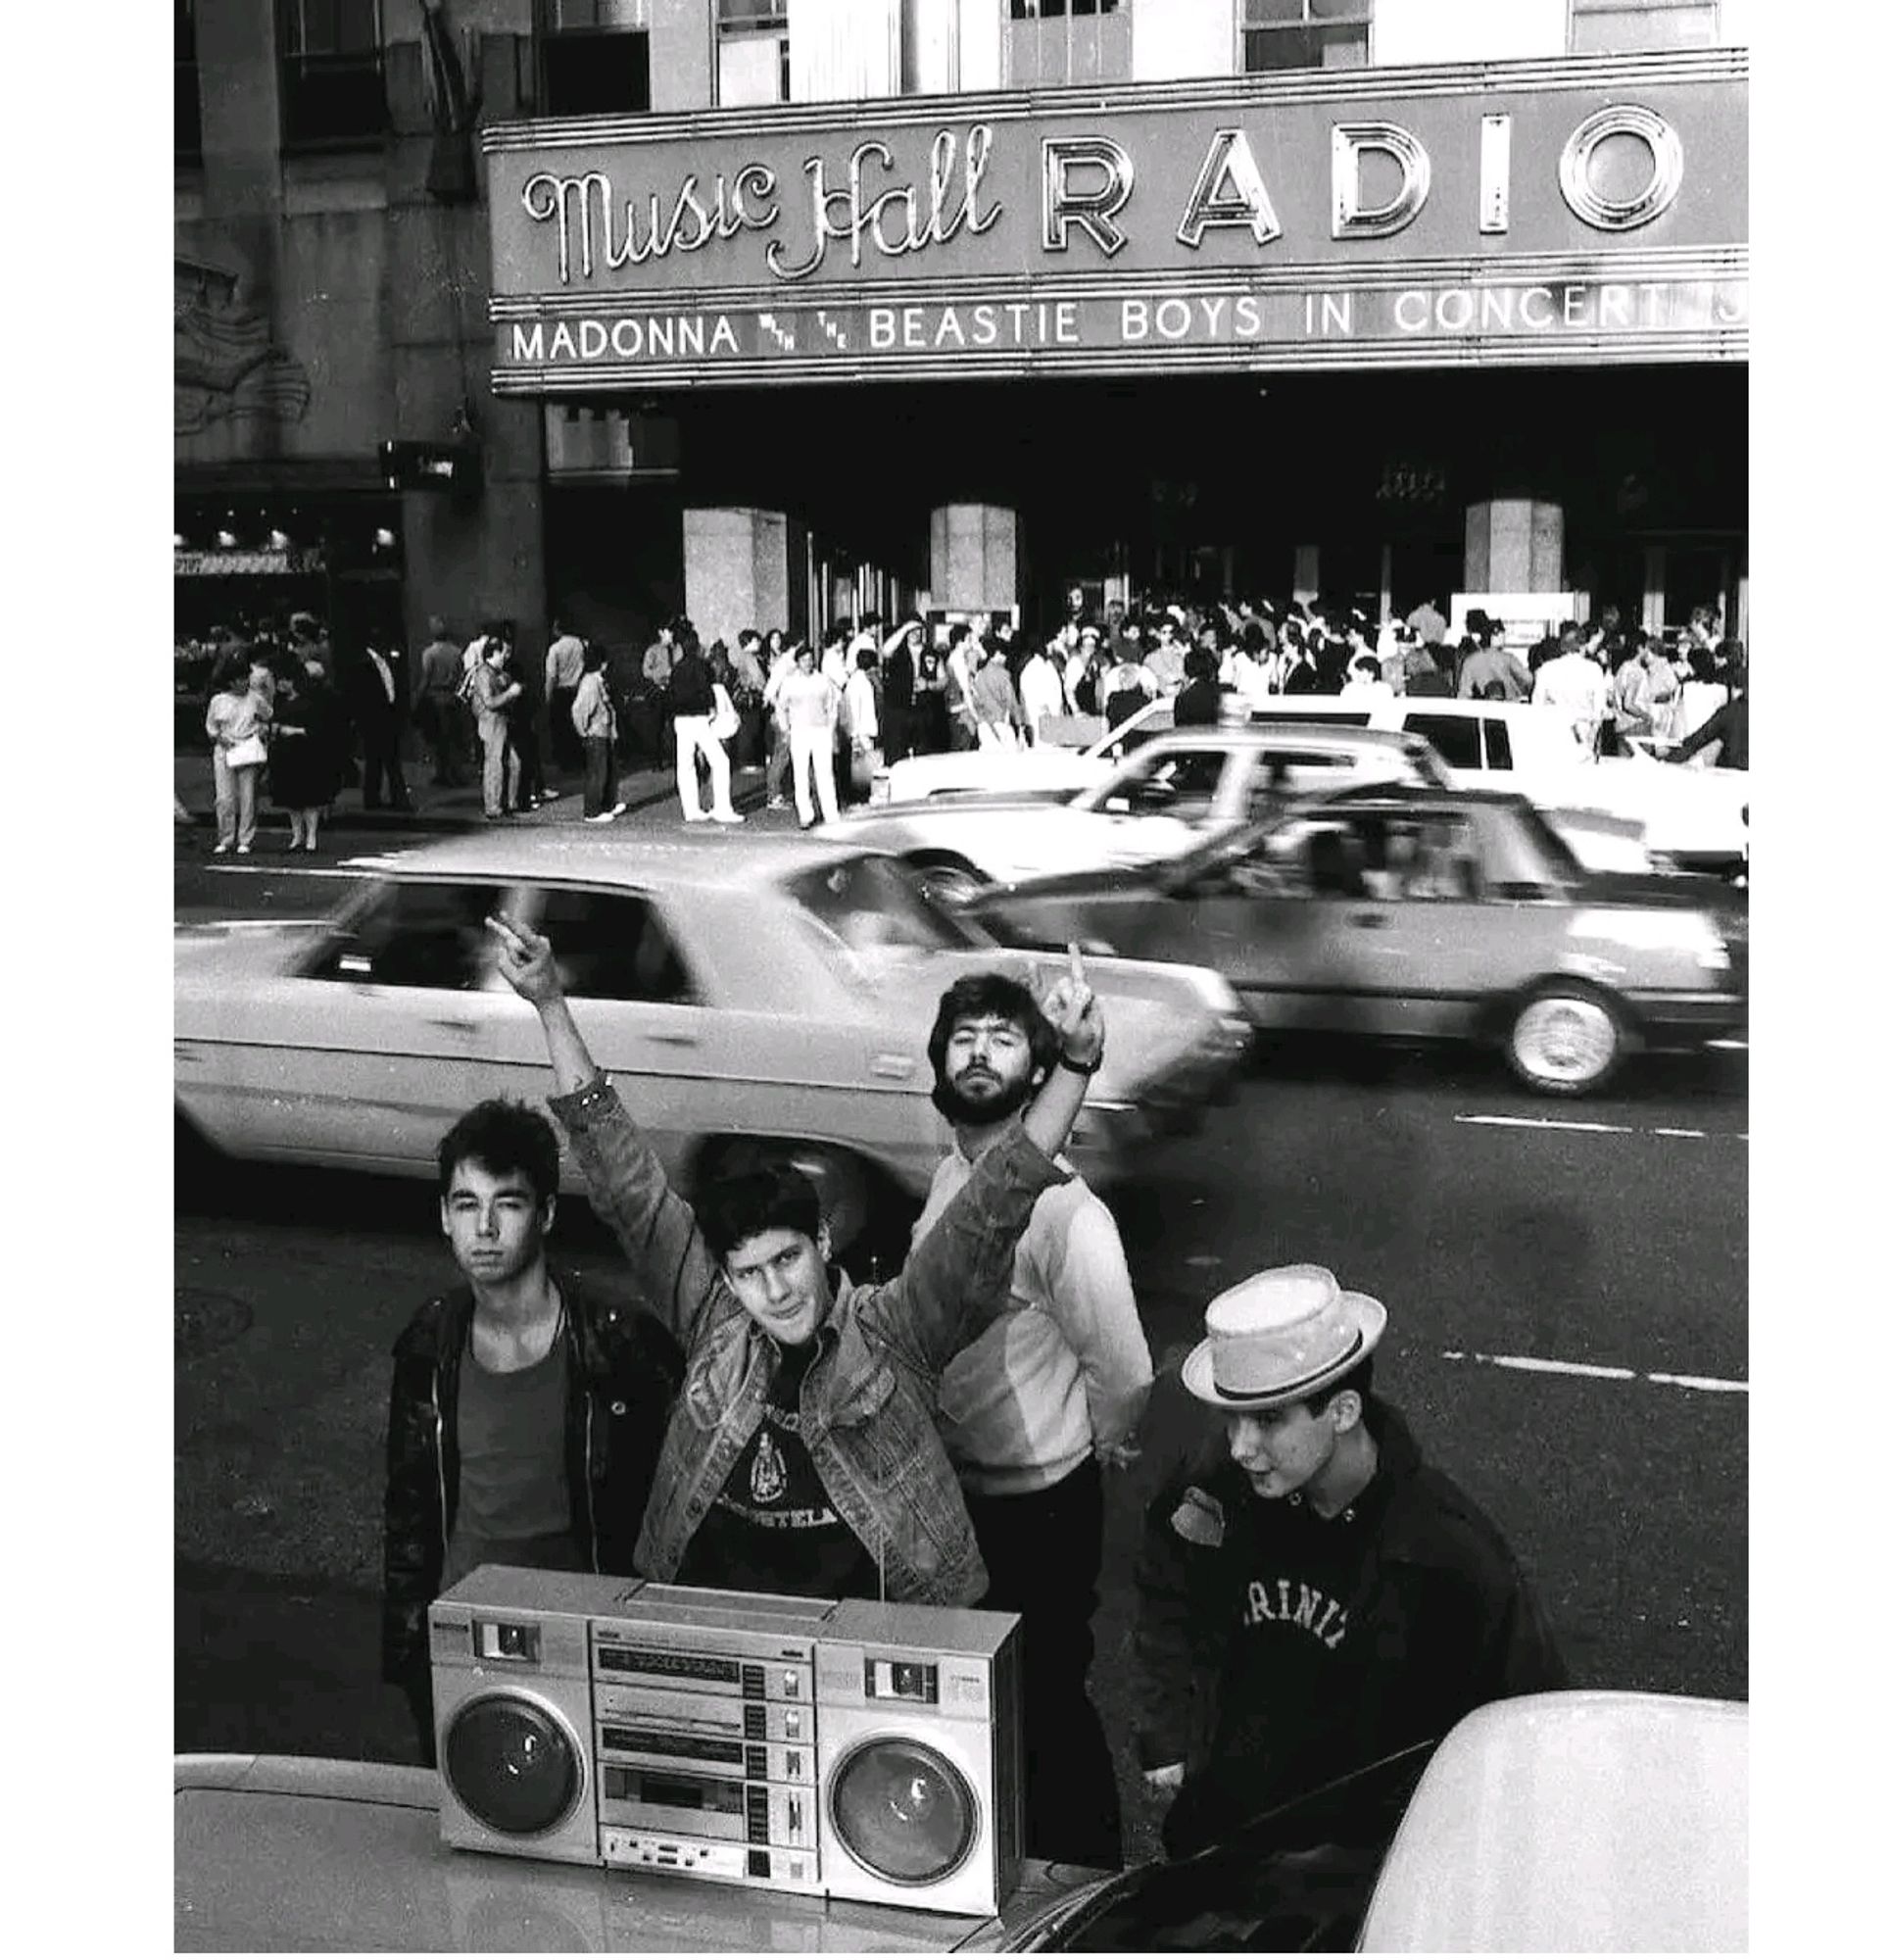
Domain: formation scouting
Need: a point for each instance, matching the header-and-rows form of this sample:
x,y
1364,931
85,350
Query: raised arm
x,y
628,1187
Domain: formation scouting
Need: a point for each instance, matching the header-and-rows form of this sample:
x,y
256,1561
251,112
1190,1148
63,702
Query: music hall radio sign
x,y
1581,211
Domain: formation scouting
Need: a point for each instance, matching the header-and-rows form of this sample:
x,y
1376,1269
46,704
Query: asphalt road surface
x,y
1566,1286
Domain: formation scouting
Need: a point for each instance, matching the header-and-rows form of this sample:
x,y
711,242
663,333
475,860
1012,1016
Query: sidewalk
x,y
444,810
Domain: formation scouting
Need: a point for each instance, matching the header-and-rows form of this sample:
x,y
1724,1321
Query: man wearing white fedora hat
x,y
1312,1596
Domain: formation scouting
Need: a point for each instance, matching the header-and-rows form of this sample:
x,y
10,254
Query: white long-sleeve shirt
x,y
1067,1369
1042,690
862,707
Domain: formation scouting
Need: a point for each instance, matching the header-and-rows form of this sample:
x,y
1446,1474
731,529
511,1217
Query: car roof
x,y
719,861
1259,733
1403,796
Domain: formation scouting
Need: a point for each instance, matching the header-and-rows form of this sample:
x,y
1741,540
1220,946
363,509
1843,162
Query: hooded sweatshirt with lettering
x,y
1276,1650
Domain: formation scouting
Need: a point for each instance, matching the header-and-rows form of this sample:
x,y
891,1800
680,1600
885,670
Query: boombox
x,y
858,1750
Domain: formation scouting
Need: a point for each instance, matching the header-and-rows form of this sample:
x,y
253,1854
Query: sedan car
x,y
778,988
1161,800
1418,911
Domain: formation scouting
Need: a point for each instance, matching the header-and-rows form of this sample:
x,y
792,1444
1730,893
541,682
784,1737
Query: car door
x,y
1162,801
365,1051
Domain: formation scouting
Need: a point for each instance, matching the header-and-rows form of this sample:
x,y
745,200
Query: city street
x,y
1566,1286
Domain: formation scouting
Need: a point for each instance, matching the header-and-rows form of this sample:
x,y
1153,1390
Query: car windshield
x,y
874,904
1297,1880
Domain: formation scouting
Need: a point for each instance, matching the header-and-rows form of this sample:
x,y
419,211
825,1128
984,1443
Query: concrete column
x,y
682,55
1306,572
735,571
1654,588
1513,544
974,557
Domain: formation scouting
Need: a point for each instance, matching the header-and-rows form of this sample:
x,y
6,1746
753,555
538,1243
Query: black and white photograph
x,y
961,974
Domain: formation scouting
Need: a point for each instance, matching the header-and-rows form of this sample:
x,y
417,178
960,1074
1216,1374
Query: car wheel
x,y
1564,1039
949,881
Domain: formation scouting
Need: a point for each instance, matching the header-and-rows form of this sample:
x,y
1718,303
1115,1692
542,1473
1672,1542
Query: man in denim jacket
x,y
802,1455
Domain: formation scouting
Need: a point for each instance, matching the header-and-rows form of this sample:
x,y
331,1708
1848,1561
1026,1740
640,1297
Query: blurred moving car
x,y
1585,1821
756,988
1693,819
1421,912
1160,801
1579,1822
1074,751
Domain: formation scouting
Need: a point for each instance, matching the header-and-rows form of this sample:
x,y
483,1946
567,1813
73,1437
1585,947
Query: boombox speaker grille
x,y
512,1765
904,1811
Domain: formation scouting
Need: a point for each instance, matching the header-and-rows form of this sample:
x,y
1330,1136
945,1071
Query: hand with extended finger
x,y
526,961
1077,1014
1168,1776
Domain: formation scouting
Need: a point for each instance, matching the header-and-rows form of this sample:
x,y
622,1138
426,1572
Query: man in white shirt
x,y
563,671
1032,1409
1573,684
809,705
1040,689
1365,686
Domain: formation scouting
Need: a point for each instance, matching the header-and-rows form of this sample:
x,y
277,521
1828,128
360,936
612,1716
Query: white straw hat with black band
x,y
1278,1337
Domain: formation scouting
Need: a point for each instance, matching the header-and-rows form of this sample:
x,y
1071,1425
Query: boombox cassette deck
x,y
843,1748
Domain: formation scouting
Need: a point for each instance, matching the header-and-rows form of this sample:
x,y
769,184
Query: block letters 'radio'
x,y
851,1749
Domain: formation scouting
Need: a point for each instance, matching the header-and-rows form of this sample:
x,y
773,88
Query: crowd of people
x,y
1311,1597
818,719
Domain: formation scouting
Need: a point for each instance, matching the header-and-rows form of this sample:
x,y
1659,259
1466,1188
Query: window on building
x,y
1625,26
751,52
594,56
1052,43
1305,34
332,87
187,113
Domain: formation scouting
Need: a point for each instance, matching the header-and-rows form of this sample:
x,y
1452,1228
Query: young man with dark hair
x,y
1311,1597
1032,1408
803,1455
524,1419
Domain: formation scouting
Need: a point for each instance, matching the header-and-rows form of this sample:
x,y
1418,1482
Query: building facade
x,y
775,311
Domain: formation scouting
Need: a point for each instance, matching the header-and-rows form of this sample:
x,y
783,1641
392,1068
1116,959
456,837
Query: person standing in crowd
x,y
1312,1596
692,692
439,708
897,676
493,692
1083,665
1035,1407
1040,690
1123,688
1424,675
1649,691
1490,671
996,714
1428,624
802,1455
1164,663
563,671
862,701
305,750
1722,737
524,1418
931,716
781,663
522,716
963,655
745,683
1702,692
1366,687
809,707
1244,671
237,723
654,708
1576,687
594,721
380,715
1198,704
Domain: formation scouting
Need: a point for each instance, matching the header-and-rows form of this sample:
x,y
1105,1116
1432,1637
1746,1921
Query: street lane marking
x,y
1534,1365
1600,1129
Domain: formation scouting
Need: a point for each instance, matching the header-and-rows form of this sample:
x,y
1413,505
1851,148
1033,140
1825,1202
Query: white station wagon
x,y
772,987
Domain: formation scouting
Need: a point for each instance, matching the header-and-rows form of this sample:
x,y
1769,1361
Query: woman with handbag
x,y
307,746
237,722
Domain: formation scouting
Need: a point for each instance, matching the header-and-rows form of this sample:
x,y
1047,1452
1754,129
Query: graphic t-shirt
x,y
515,1505
1295,1654
771,1527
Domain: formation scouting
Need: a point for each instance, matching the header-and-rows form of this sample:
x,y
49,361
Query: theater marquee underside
x,y
1571,213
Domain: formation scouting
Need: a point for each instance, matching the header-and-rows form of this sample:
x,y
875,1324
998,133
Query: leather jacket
x,y
622,1370
870,1397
